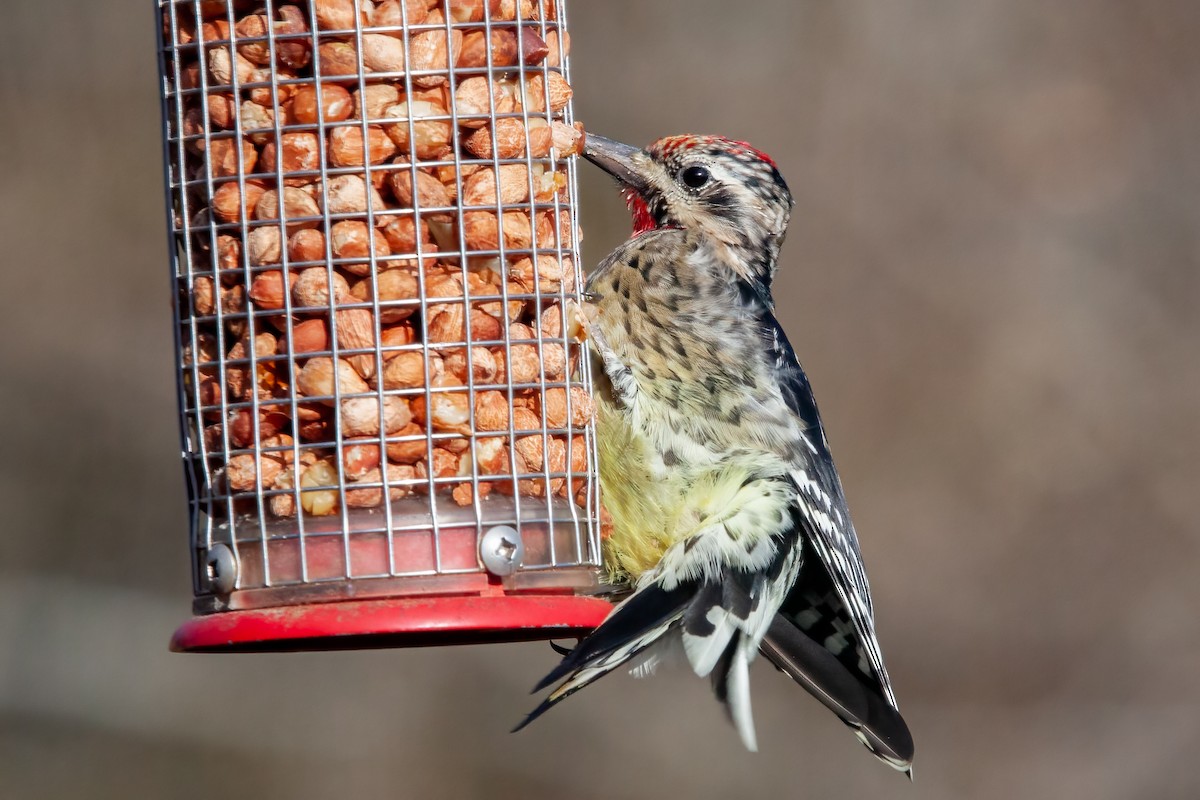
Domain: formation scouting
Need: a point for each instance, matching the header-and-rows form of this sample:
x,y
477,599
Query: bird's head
x,y
725,190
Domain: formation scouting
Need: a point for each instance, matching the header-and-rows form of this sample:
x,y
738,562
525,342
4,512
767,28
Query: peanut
x,y
335,15
267,290
431,131
243,471
353,239
223,157
475,97
371,102
382,53
432,51
360,457
347,194
346,146
546,91
558,43
451,410
480,364
364,493
397,13
430,193
322,501
408,445
227,201
553,406
513,181
355,330
360,416
506,51
297,205
312,286
505,138
298,153
316,379
405,370
203,296
338,60
396,292
306,244
309,336
263,246
395,336
270,424
471,10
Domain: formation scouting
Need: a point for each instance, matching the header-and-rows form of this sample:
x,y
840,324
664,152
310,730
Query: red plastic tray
x,y
392,622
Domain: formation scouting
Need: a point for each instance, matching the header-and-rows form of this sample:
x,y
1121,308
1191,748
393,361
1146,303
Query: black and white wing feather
x,y
830,605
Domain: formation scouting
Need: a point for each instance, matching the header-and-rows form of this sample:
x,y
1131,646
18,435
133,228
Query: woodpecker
x,y
729,520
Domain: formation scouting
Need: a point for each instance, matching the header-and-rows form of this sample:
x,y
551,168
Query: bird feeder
x,y
385,415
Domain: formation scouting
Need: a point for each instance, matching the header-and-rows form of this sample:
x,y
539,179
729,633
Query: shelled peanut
x,y
375,206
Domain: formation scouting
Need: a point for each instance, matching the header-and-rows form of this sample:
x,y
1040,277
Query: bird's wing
x,y
814,640
824,517
824,634
875,721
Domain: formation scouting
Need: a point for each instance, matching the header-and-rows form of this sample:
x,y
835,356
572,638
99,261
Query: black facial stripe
x,y
658,209
721,199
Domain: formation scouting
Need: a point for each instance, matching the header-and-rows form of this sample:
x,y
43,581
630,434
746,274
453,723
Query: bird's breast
x,y
686,396
694,381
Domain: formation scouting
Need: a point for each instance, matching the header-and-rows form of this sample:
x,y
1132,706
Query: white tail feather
x,y
703,652
737,686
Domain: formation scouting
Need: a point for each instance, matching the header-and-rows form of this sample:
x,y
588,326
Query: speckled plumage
x,y
700,408
729,519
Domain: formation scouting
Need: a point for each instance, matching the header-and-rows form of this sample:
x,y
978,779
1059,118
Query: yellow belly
x,y
650,512
644,511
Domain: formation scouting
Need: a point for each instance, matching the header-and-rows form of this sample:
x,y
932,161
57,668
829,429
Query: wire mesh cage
x,y
375,246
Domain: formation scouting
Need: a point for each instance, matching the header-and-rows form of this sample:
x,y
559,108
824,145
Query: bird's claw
x,y
561,650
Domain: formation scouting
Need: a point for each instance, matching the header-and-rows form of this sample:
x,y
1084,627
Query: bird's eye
x,y
694,177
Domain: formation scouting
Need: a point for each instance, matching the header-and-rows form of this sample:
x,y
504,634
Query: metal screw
x,y
221,569
501,550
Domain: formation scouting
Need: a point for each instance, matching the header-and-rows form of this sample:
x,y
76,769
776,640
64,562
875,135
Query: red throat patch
x,y
643,220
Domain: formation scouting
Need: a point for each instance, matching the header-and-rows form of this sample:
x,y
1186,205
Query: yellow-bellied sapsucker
x,y
729,519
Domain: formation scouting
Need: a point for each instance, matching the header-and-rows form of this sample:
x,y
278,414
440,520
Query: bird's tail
x,y
636,623
719,637
731,683
710,618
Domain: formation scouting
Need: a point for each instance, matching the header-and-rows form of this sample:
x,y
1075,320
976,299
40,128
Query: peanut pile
x,y
349,284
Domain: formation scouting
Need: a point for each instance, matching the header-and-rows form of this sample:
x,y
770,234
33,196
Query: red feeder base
x,y
391,622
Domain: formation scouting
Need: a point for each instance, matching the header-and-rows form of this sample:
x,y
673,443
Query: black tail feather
x,y
695,618
631,620
824,676
720,677
542,708
642,611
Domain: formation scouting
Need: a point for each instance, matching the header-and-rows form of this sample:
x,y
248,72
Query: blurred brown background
x,y
991,276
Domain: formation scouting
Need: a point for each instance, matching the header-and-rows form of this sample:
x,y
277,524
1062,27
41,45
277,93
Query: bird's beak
x,y
616,159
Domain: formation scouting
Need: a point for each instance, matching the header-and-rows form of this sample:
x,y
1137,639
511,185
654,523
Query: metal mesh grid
x,y
376,250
